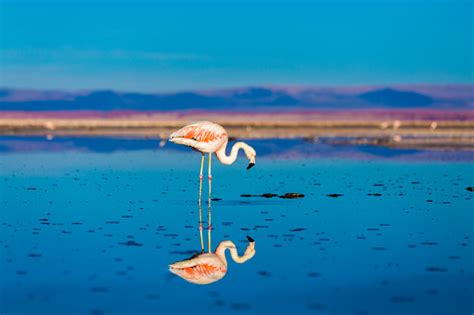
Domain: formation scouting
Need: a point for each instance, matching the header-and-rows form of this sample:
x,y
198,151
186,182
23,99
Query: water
x,y
90,225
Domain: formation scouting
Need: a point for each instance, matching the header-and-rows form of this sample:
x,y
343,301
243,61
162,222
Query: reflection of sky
x,y
162,45
270,148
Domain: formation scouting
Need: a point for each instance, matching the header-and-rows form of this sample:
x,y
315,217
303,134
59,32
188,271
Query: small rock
x,y
291,196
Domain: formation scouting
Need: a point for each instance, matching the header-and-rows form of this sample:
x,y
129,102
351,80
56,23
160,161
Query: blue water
x,y
398,239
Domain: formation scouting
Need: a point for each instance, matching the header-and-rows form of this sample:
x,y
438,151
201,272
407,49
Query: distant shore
x,y
436,130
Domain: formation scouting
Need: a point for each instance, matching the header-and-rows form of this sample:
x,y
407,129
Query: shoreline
x,y
427,134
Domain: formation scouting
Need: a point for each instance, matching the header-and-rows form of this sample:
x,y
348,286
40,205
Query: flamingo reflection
x,y
206,268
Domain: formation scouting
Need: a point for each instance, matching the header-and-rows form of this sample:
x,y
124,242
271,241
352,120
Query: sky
x,y
148,46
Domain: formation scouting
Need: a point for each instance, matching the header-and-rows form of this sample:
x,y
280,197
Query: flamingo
x,y
209,137
206,268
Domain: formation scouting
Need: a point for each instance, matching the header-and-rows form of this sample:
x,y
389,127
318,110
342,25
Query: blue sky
x,y
174,45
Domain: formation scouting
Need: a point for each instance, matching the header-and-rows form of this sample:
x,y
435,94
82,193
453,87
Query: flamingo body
x,y
209,137
207,268
204,136
200,269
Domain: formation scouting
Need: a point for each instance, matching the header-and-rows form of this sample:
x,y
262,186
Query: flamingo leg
x,y
202,167
200,204
209,222
209,175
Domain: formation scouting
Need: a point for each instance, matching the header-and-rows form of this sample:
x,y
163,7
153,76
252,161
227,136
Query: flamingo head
x,y
251,155
250,251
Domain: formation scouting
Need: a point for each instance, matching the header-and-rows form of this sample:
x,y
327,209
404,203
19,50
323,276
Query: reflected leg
x,y
200,204
209,221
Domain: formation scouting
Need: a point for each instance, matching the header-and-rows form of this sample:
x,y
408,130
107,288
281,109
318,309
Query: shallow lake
x,y
90,225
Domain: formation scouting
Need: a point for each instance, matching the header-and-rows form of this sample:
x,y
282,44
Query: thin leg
x,y
200,204
209,221
202,167
209,169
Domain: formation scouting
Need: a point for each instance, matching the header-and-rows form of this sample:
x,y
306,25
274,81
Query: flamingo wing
x,y
199,134
199,270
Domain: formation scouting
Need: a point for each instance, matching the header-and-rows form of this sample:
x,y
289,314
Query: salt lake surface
x,y
90,225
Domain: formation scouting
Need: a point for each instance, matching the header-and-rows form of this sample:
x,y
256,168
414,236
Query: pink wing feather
x,y
201,131
204,136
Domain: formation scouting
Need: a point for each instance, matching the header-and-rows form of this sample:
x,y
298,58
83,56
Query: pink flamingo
x,y
210,267
209,137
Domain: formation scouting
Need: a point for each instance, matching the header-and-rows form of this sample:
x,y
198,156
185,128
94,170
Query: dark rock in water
x,y
429,243
297,230
376,195
131,243
334,195
264,273
314,274
216,199
291,196
470,188
34,255
268,195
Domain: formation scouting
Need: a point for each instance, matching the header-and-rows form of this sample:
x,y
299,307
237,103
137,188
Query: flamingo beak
x,y
251,240
250,165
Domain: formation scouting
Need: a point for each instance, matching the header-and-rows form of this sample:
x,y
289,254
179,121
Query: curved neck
x,y
223,246
229,159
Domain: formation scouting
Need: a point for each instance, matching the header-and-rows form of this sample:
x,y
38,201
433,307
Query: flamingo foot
x,y
200,227
209,227
209,177
200,177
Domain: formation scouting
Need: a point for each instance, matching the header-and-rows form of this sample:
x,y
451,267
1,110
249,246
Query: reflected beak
x,y
251,240
250,166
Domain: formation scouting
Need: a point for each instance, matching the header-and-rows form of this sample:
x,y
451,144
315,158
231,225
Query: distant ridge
x,y
244,99
394,98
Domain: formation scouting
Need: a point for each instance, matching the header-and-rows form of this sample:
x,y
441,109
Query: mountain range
x,y
248,98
